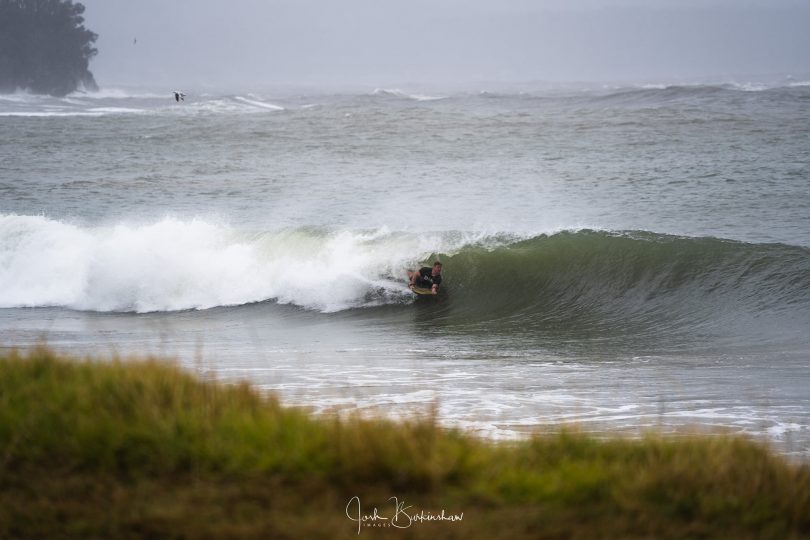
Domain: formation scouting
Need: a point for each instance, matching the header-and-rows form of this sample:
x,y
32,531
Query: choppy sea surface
x,y
619,258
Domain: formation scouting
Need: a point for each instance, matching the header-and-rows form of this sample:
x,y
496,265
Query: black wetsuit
x,y
426,278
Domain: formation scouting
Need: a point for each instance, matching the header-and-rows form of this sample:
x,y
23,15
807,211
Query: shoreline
x,y
167,453
778,433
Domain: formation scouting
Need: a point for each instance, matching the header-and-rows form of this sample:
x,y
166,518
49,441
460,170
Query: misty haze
x,y
369,42
580,227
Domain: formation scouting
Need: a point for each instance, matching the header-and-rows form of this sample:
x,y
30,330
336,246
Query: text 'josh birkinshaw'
x,y
402,516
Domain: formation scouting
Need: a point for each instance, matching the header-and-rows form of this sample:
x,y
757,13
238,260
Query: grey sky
x,y
378,42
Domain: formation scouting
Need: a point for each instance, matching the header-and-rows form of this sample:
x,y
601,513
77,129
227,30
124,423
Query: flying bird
x,y
179,96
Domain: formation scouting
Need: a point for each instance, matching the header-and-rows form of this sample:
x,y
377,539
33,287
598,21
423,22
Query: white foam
x,y
782,428
400,94
175,265
750,87
235,105
51,113
119,93
115,110
20,97
74,101
260,104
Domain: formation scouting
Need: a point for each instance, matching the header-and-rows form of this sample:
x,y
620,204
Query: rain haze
x,y
365,42
500,217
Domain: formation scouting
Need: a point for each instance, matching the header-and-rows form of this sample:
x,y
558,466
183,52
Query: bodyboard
x,y
421,290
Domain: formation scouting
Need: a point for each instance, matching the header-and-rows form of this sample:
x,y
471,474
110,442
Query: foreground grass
x,y
142,449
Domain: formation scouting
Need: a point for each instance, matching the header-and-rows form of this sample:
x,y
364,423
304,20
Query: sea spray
x,y
175,265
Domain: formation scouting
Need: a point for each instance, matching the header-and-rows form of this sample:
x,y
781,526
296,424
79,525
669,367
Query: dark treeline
x,y
44,47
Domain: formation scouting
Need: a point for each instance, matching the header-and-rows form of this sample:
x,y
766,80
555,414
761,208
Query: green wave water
x,y
634,282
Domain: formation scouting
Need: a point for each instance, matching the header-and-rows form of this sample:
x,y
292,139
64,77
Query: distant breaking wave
x,y
113,102
121,103
50,114
119,93
228,105
646,93
101,93
261,104
396,93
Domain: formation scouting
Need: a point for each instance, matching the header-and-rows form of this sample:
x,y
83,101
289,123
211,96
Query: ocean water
x,y
618,258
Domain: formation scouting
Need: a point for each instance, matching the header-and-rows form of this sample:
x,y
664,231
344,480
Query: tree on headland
x,y
44,47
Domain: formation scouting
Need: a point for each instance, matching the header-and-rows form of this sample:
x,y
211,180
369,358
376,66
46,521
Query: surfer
x,y
179,96
427,277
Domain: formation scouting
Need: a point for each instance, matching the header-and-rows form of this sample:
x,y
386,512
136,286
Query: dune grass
x,y
126,449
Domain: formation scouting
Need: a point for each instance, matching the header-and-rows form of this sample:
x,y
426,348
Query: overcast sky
x,y
187,43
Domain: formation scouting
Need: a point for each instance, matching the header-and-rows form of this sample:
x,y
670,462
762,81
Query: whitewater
x,y
621,258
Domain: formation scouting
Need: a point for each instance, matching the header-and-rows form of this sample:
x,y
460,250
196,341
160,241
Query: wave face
x,y
589,280
637,281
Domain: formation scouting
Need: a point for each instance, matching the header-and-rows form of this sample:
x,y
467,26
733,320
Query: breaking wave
x,y
586,279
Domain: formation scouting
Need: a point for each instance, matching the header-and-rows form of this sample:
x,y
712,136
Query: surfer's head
x,y
437,268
